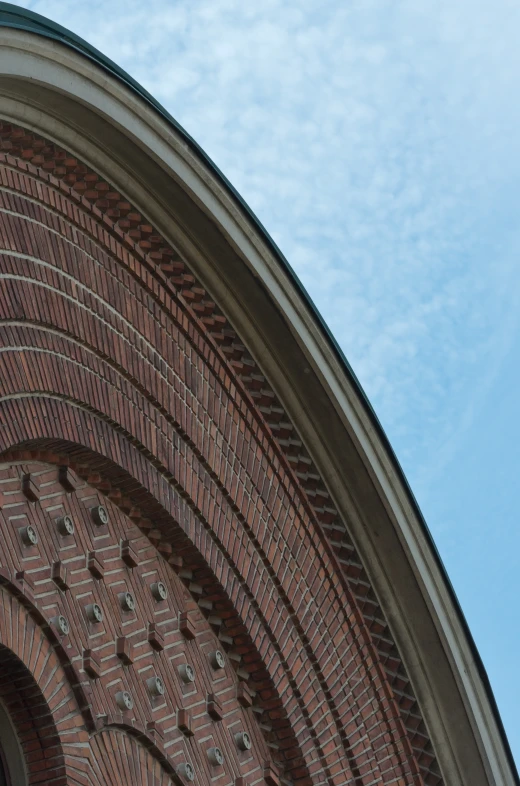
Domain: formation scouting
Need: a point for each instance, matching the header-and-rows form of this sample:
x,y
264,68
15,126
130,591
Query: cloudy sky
x,y
379,143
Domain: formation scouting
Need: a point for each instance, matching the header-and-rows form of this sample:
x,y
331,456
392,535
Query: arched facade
x,y
166,384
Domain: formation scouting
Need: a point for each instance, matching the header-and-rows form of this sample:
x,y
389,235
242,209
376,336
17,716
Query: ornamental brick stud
x,y
94,612
99,515
91,664
184,722
217,659
95,565
155,729
155,686
187,673
29,535
214,707
62,624
66,480
59,575
124,700
244,695
186,771
186,626
30,488
243,741
128,554
65,525
155,637
124,650
215,756
159,591
127,601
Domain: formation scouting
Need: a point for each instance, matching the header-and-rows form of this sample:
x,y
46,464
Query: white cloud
x,y
378,142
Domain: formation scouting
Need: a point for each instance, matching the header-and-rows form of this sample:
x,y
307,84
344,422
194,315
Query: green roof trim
x,y
22,19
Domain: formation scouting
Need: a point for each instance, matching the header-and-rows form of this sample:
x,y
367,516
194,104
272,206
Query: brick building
x,y
211,565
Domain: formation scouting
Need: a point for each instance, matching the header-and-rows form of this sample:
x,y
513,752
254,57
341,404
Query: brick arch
x,y
151,513
216,707
118,757
38,697
32,720
97,319
181,509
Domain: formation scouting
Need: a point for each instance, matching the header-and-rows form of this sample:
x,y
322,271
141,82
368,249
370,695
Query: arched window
x,y
5,780
12,767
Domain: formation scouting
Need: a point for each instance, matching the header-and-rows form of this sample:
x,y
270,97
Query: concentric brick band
x,y
113,358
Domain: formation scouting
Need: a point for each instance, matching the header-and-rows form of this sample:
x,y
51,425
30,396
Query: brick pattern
x,y
36,693
109,325
118,758
32,719
147,737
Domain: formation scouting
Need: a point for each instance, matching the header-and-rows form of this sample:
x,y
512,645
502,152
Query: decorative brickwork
x,y
124,386
85,662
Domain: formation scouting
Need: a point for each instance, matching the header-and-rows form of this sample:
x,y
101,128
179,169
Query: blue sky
x,y
379,143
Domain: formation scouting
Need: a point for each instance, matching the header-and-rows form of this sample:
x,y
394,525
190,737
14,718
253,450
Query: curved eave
x,y
29,22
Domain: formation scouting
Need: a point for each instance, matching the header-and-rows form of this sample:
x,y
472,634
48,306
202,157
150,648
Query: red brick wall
x,y
86,669
114,360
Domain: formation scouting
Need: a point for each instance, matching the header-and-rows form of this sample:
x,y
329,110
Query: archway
x,y
12,762
30,742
